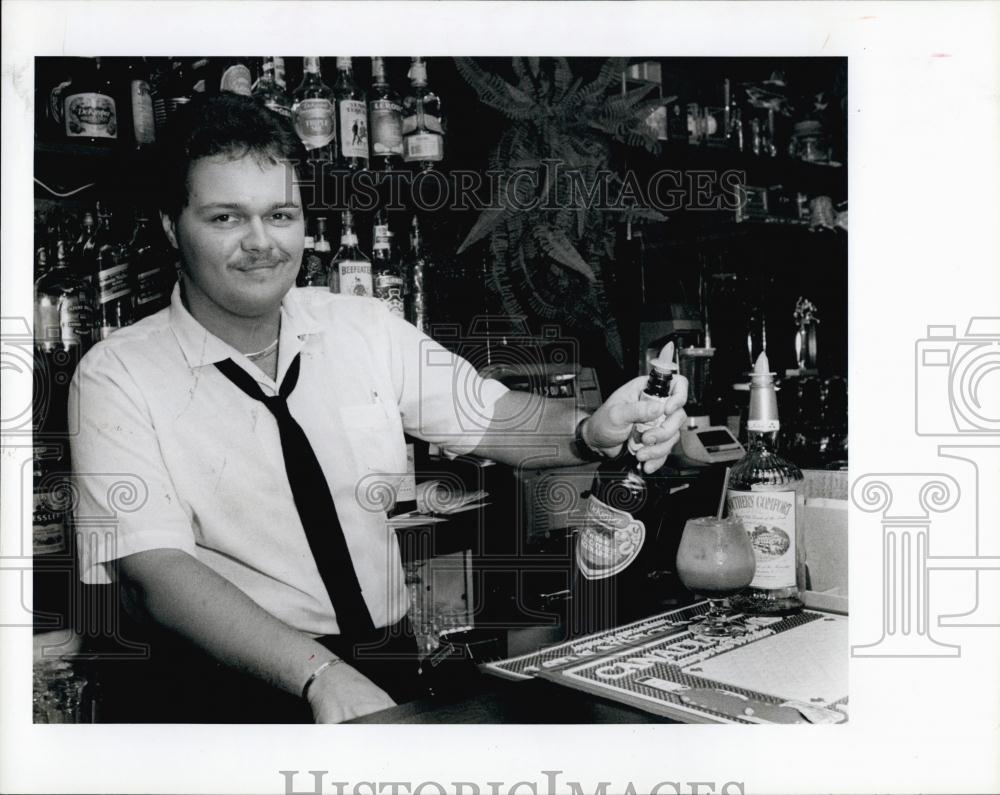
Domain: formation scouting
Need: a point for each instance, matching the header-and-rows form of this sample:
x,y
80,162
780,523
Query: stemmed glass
x,y
715,560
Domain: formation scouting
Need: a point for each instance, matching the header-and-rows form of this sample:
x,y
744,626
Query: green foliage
x,y
551,230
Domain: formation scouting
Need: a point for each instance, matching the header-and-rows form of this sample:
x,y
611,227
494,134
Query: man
x,y
202,401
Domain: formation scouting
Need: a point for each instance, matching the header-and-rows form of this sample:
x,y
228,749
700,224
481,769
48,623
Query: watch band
x,y
580,448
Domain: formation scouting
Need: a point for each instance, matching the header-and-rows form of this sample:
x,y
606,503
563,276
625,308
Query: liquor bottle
x,y
352,116
615,553
138,120
389,284
423,128
235,77
151,266
90,110
308,262
315,271
49,532
279,76
766,494
83,252
113,286
417,298
270,90
56,593
203,77
53,76
386,114
313,113
353,267
172,91
63,303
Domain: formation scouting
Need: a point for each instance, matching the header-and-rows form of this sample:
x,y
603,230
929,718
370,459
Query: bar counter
x,y
498,701
657,669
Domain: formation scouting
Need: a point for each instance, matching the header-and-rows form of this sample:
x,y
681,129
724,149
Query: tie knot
x,y
276,403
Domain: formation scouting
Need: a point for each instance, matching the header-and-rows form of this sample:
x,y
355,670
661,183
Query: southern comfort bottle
x,y
766,494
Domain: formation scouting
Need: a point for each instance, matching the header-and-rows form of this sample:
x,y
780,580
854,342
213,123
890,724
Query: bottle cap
x,y
762,374
418,72
763,415
665,361
343,62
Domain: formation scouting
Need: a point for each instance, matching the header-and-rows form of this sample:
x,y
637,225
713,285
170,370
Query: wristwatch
x,y
580,448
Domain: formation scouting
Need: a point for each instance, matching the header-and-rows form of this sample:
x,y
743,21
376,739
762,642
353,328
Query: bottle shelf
x,y
64,167
813,179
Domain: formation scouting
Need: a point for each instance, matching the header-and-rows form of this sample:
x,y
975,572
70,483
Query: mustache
x,y
263,261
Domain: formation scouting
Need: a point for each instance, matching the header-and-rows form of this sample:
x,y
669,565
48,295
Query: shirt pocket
x,y
375,434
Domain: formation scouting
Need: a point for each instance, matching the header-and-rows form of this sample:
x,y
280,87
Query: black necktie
x,y
312,500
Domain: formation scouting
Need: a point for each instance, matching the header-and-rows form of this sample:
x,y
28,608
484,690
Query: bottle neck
x,y
141,230
762,419
658,384
763,414
762,441
379,80
62,260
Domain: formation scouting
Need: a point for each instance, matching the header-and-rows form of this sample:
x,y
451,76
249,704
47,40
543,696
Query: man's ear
x,y
168,229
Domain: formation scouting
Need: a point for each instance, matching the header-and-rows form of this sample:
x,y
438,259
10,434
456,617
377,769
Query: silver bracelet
x,y
316,674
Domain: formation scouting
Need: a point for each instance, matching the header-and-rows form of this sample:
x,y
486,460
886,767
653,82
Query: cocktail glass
x,y
715,560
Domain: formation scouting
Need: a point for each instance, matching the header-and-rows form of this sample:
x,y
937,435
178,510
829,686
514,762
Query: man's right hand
x,y
341,693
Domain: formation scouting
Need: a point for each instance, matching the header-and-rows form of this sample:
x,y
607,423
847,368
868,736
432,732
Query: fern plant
x,y
554,214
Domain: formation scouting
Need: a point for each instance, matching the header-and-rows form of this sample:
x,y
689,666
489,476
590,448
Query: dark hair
x,y
221,124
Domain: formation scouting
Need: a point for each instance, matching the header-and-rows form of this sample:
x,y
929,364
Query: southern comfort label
x,y
769,519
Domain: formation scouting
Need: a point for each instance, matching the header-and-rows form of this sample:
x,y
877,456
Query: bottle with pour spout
x,y
616,545
766,493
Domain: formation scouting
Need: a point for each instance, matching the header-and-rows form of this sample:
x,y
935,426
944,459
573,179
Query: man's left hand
x,y
608,428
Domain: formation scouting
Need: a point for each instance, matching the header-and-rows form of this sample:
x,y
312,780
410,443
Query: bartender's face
x,y
240,236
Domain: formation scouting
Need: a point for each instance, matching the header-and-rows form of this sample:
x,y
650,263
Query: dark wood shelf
x,y
813,179
60,149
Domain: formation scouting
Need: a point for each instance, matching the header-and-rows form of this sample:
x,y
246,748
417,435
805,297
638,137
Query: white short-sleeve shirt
x,y
152,405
